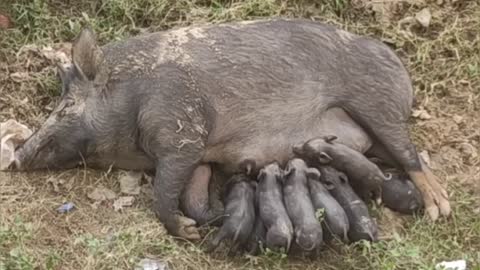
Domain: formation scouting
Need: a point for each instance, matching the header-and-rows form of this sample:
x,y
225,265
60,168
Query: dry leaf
x,y
468,150
12,134
102,194
54,55
130,182
423,17
19,76
55,183
421,114
123,202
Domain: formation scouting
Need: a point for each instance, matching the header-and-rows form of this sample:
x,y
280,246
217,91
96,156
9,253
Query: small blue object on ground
x,y
65,208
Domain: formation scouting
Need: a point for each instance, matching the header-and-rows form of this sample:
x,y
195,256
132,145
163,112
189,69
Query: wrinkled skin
x,y
401,195
272,210
362,226
307,229
365,177
336,221
172,100
239,211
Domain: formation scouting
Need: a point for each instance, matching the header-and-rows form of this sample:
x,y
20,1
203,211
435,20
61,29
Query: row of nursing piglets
x,y
314,199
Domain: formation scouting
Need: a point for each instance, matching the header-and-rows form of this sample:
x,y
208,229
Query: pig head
x,y
66,138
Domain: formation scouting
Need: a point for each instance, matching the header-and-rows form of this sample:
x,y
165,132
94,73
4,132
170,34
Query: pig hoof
x,y
445,208
433,212
186,228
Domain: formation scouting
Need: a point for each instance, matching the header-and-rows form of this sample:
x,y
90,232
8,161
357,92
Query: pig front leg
x,y
172,173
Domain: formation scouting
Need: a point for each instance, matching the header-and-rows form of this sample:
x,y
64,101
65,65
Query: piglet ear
x,y
261,174
343,178
330,138
248,166
313,174
288,171
328,184
324,158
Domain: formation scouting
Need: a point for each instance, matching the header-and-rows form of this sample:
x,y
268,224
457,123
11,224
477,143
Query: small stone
x,y
150,264
457,119
423,17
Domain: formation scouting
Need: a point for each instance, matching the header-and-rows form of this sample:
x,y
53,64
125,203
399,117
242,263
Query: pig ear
x,y
64,72
87,56
324,158
313,174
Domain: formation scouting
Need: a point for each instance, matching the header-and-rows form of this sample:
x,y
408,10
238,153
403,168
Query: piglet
x,y
272,210
362,226
336,221
308,230
366,178
239,211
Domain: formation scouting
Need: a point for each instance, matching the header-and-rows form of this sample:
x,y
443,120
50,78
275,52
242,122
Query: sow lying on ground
x,y
168,101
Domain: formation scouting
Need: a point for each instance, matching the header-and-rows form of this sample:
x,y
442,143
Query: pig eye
x,y
62,113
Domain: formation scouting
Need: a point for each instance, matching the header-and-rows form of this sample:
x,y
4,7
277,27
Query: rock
x,y
150,264
423,17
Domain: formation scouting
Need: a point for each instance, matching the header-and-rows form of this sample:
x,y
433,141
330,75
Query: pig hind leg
x,y
196,200
390,130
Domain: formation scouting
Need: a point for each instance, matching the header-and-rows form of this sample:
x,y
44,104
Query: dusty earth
x,y
439,42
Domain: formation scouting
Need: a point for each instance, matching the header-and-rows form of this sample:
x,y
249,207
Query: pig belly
x,y
273,141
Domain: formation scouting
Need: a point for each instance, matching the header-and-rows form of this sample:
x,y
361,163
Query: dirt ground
x,y
439,42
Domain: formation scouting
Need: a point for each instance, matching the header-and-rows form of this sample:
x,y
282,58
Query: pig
x,y
401,195
239,211
362,226
336,221
172,100
365,177
272,209
307,229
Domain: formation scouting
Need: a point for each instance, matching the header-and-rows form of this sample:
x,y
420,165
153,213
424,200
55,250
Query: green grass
x,y
442,59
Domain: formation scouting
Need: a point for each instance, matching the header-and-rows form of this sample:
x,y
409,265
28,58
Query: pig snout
x,y
297,149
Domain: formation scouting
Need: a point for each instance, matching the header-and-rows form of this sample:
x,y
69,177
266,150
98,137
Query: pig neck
x,y
115,132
